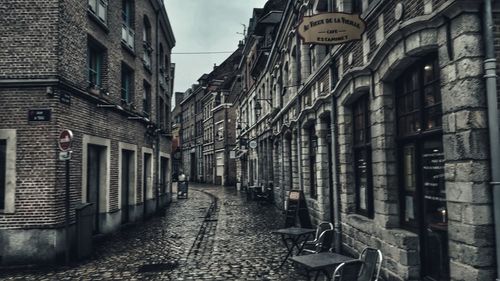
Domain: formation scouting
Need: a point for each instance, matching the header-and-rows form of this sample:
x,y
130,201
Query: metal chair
x,y
323,243
347,271
372,262
310,246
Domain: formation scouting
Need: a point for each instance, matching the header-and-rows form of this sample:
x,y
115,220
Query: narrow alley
x,y
213,235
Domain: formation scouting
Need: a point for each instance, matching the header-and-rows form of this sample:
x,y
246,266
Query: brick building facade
x,y
101,69
386,136
208,124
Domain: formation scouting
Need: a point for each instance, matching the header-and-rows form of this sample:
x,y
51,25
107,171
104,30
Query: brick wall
x,y
27,54
34,53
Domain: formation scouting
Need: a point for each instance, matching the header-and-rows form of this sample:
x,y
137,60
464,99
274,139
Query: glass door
x,y
435,217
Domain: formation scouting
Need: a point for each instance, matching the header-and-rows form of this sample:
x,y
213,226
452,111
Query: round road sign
x,y
65,139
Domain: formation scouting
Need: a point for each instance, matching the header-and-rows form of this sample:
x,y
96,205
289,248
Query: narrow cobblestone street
x,y
216,234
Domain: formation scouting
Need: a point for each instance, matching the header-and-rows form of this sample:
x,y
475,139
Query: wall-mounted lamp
x,y
258,108
238,127
50,91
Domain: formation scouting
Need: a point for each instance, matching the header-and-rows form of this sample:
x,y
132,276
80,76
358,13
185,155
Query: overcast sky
x,y
205,26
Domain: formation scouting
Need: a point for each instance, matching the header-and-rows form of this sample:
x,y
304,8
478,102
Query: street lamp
x,y
258,108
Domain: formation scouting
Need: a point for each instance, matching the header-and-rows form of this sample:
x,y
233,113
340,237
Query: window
x,y
128,24
127,84
3,168
95,66
146,38
146,100
8,146
313,146
362,157
356,6
99,8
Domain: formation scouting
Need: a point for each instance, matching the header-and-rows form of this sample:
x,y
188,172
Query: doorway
x,y
126,183
421,169
95,165
146,180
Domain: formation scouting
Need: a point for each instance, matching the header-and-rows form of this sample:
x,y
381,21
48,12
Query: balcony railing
x,y
128,36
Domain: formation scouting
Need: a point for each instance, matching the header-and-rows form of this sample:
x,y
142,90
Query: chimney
x,y
215,66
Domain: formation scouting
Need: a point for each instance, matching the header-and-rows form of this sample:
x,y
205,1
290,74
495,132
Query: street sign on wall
x,y
39,114
331,28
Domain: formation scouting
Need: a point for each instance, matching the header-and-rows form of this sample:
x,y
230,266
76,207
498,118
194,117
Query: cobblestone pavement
x,y
216,234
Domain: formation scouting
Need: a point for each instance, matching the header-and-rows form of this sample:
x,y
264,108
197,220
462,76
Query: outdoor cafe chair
x,y
322,244
372,262
347,271
311,245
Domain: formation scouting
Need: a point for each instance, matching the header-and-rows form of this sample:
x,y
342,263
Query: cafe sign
x,y
331,28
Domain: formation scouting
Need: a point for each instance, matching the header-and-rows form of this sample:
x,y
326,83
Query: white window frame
x,y
10,174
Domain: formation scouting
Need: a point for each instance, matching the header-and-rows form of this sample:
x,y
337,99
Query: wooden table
x,y
320,262
294,235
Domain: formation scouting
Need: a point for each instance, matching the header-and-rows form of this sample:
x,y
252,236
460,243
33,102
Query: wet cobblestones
x,y
216,234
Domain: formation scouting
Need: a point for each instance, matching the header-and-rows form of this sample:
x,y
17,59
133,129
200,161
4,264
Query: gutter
x,y
334,189
491,93
158,121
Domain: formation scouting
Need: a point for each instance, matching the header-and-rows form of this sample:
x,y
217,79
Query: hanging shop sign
x,y
331,28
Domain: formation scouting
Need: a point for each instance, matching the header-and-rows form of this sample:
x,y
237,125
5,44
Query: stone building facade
x,y
386,136
101,69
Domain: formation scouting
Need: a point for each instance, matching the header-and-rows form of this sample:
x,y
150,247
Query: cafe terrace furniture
x,y
321,263
348,271
292,238
323,244
372,262
310,246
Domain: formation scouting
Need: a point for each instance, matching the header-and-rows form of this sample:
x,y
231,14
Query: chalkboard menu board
x,y
297,210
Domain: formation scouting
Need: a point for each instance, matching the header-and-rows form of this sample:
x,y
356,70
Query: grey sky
x,y
205,26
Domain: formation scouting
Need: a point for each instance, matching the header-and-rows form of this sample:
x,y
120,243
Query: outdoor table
x,y
294,235
320,262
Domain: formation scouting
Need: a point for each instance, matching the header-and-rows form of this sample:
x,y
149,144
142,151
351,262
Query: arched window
x,y
421,163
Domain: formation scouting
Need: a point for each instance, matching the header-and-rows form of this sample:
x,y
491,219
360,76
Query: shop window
x,y
127,84
362,157
99,8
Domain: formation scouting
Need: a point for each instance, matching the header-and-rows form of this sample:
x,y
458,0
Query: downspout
x,y
158,121
335,186
491,92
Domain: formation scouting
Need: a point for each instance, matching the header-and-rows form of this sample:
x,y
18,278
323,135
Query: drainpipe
x,y
158,121
335,186
491,92
335,189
